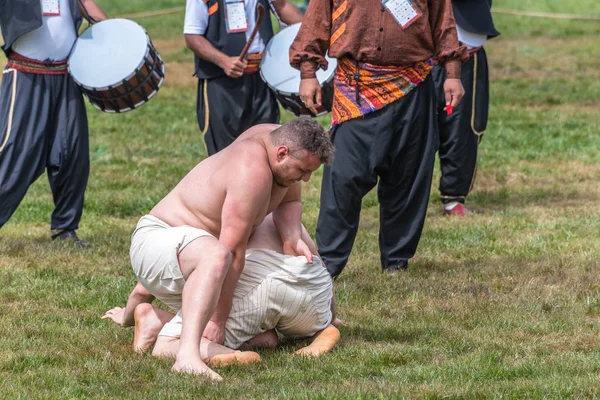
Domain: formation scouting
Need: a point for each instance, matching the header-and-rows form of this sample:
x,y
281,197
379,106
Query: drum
x,y
277,73
116,65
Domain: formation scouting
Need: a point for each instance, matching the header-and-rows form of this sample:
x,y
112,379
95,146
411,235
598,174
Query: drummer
x,y
231,95
43,122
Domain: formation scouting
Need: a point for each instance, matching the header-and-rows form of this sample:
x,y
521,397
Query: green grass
x,y
503,304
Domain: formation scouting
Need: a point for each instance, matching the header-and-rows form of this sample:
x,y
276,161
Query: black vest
x,y
230,44
20,17
475,16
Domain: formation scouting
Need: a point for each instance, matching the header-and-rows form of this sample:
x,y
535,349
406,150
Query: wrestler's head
x,y
302,145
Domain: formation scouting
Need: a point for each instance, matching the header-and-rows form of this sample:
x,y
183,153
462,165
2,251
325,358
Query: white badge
x,y
50,7
235,16
404,12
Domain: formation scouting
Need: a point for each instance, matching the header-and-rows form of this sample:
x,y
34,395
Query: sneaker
x,y
71,236
456,209
395,268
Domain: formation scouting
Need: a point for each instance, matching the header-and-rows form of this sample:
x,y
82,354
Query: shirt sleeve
x,y
307,52
196,17
448,51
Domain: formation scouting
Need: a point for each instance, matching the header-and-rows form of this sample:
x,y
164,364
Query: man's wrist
x,y
220,60
308,69
453,69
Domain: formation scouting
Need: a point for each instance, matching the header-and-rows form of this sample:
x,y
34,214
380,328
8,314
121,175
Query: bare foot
x,y
322,343
337,322
149,320
196,367
236,358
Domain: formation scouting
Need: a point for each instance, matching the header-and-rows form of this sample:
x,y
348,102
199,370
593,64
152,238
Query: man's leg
x,y
460,132
406,175
224,110
345,182
212,353
68,162
25,108
204,264
264,103
323,342
149,320
265,340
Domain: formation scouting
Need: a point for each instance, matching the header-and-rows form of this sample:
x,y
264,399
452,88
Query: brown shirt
x,y
366,31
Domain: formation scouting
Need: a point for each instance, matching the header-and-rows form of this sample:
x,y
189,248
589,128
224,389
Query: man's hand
x,y
454,91
233,67
214,332
310,94
116,315
298,248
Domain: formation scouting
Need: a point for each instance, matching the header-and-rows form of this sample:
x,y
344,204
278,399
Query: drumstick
x,y
260,14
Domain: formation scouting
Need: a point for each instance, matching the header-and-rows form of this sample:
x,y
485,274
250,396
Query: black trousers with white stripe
x,y
43,126
226,107
393,148
461,132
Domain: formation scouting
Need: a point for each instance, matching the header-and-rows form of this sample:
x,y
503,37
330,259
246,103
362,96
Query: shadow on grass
x,y
505,197
383,334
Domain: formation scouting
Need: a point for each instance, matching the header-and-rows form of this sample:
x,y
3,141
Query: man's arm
x,y
233,67
287,218
448,51
92,10
288,12
124,316
247,192
307,52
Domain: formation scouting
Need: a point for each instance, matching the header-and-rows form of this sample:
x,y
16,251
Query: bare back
x,y
198,199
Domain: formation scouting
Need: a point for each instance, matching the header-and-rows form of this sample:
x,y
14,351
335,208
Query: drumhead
x,y
107,52
275,67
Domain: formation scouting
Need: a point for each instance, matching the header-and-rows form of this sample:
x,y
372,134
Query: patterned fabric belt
x,y
361,88
24,64
253,63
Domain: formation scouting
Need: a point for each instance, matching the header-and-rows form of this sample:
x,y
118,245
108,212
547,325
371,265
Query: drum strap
x,y
87,15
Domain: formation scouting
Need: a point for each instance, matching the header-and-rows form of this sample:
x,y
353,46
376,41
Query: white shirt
x,y
196,21
472,40
53,40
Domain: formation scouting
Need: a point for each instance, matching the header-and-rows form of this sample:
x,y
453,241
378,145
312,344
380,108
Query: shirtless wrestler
x,y
190,250
275,292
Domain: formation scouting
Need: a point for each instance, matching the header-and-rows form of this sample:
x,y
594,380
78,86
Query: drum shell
x,y
284,80
134,90
116,65
292,102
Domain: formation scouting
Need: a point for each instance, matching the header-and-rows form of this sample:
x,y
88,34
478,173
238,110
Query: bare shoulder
x,y
259,129
248,162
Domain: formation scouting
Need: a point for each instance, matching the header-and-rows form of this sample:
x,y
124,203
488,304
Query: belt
x,y
47,67
253,63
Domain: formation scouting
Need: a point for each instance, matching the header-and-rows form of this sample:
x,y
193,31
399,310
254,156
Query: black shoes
x,y
70,235
396,268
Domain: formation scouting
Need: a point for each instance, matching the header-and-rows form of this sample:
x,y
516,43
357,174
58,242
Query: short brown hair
x,y
304,133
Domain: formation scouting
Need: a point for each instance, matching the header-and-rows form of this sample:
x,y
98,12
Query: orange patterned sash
x,y
361,88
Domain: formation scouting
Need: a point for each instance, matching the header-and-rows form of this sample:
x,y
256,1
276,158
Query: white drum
x,y
277,73
116,65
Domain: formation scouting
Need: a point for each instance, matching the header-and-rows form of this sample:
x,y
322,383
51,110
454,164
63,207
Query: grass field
x,y
502,304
